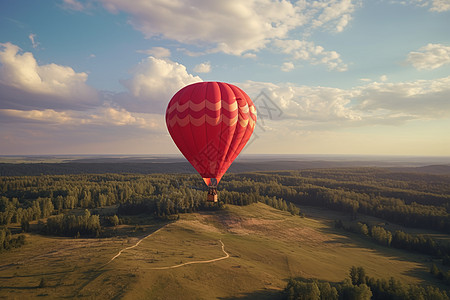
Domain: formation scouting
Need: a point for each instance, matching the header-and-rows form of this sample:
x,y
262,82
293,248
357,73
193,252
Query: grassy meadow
x,y
266,247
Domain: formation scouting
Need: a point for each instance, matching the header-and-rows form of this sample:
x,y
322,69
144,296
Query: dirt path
x,y
131,247
175,266
197,261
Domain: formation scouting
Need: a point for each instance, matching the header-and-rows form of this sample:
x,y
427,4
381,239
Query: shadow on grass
x,y
90,276
260,295
352,240
36,275
19,287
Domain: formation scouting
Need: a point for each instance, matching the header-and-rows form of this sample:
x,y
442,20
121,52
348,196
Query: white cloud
x,y
305,104
308,51
49,116
287,67
158,52
383,78
34,43
429,57
433,5
121,117
249,55
333,14
105,129
234,26
103,116
73,5
318,108
154,81
440,5
203,67
26,83
421,99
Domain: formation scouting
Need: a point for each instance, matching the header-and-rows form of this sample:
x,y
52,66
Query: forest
x,y
87,205
408,199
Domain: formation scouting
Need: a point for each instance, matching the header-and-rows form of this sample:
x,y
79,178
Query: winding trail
x,y
197,261
131,247
174,266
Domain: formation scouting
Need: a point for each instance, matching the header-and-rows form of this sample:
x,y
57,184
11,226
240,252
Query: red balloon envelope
x,y
210,122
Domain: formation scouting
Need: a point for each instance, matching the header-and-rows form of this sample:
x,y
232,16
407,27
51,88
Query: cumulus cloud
x,y
153,83
42,105
232,27
48,116
302,103
381,103
25,83
103,130
203,67
429,57
333,14
308,51
101,116
421,99
287,66
158,52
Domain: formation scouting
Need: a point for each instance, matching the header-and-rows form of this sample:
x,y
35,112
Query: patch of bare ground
x,y
280,229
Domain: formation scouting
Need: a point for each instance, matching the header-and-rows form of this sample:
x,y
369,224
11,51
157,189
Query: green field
x,y
266,248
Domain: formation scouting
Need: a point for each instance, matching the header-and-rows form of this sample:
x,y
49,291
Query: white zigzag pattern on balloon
x,y
210,120
213,106
246,115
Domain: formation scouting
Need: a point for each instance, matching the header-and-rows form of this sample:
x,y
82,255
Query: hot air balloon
x,y
210,122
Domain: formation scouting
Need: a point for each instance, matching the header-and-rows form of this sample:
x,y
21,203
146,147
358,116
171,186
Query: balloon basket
x,y
212,195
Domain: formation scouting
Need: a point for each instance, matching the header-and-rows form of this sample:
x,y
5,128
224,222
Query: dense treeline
x,y
339,195
361,287
73,225
400,239
95,166
161,205
415,200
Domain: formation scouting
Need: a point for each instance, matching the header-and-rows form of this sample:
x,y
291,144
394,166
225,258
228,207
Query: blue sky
x,y
347,77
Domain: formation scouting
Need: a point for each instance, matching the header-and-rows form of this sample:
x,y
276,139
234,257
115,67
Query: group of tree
x,y
358,286
399,239
440,274
73,225
186,200
8,241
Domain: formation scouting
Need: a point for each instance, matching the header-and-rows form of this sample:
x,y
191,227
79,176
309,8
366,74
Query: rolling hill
x,y
185,259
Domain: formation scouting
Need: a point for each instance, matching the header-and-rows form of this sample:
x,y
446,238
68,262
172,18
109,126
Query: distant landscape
x,y
99,164
135,227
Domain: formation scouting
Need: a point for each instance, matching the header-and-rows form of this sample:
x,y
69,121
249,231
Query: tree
x,y
327,292
25,225
434,270
115,220
302,290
